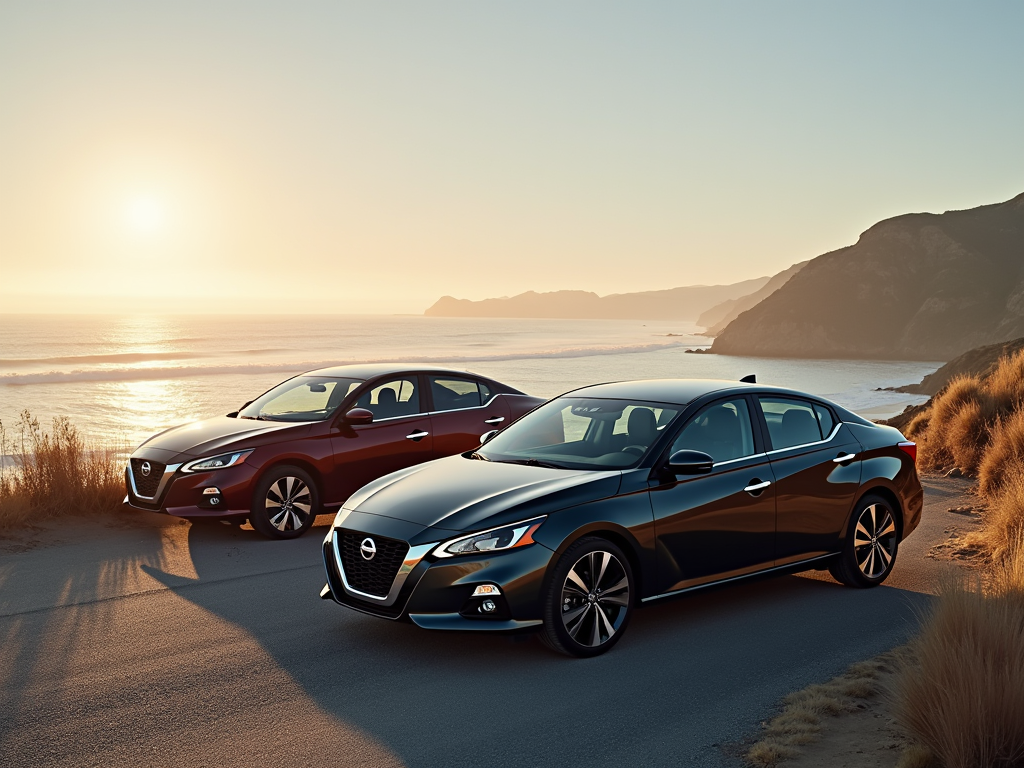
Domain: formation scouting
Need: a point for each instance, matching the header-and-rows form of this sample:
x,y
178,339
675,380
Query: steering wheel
x,y
637,449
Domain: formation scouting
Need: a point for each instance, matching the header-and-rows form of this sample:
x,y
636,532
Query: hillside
x,y
977,362
685,303
715,319
918,287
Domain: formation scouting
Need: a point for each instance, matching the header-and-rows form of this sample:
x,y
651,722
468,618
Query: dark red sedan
x,y
302,448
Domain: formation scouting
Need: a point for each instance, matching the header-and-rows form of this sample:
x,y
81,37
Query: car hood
x,y
462,494
223,433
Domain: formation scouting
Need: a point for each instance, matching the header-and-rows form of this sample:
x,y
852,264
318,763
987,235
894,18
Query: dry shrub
x,y
919,424
1003,521
1006,383
48,474
962,697
967,435
937,451
1004,457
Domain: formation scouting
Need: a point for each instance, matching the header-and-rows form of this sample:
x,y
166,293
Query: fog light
x,y
212,496
486,589
488,606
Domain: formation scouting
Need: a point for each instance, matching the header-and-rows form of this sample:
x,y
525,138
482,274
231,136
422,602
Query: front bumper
x,y
181,493
436,593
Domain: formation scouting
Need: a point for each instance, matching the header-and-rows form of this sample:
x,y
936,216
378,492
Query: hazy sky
x,y
370,157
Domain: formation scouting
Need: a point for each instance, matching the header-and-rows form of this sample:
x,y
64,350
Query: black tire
x,y
285,503
593,606
871,544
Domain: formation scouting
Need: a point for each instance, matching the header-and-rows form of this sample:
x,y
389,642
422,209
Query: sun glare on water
x,y
145,215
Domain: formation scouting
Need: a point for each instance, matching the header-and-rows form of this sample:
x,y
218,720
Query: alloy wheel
x,y
595,598
289,503
874,540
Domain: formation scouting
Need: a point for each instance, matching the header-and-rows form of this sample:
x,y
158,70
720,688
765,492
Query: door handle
x,y
494,420
416,436
756,485
843,458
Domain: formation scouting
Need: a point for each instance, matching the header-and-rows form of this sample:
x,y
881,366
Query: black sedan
x,y
619,494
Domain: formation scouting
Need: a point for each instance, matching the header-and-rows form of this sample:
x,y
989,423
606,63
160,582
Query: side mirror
x,y
690,462
487,436
359,416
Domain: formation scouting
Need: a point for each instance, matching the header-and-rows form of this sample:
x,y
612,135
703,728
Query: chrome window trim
x,y
388,418
169,470
830,438
737,578
470,408
412,559
741,458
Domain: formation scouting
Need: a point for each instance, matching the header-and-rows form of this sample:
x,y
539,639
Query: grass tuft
x,y
962,693
52,473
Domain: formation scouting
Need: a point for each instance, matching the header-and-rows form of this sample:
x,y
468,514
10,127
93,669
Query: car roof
x,y
679,391
366,371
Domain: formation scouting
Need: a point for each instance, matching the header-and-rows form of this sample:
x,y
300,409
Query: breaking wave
x,y
193,371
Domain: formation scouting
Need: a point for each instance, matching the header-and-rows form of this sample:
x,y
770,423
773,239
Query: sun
x,y
144,215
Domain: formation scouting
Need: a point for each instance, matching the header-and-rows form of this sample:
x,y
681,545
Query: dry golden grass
x,y
962,695
1006,383
963,395
55,473
1004,456
1003,521
800,721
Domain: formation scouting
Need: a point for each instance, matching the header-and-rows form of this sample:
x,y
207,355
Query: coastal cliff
x,y
720,315
917,287
685,303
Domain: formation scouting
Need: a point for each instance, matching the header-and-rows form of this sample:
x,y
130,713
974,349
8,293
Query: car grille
x,y
375,576
147,485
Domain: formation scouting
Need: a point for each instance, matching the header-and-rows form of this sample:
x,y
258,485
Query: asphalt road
x,y
164,644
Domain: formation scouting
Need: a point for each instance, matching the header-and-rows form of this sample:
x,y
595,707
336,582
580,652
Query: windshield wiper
x,y
533,463
478,456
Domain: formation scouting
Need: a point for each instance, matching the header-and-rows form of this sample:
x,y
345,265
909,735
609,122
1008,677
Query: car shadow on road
x,y
692,673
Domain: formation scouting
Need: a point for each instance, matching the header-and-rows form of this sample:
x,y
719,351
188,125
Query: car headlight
x,y
216,462
494,540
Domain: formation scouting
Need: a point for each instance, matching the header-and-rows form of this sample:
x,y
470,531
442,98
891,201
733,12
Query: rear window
x,y
790,422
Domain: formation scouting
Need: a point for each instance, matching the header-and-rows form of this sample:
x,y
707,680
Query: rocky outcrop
x,y
916,287
979,362
720,315
685,303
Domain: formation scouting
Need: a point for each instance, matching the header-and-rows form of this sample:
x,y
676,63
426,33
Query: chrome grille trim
x,y
169,471
412,559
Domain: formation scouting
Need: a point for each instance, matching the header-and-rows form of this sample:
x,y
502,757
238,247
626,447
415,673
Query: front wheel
x,y
589,599
285,503
869,551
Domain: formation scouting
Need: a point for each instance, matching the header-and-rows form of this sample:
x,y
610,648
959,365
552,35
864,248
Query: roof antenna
x,y
751,379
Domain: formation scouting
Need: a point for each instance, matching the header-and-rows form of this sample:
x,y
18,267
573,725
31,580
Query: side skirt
x,y
787,567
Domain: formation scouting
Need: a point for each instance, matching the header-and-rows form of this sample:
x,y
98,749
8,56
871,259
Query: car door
x,y
398,437
721,523
817,475
463,409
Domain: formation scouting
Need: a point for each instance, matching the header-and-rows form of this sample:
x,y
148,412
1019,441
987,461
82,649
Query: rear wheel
x,y
285,503
589,599
869,552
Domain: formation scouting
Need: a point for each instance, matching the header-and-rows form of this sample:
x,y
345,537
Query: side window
x,y
790,422
825,420
485,393
398,397
721,429
451,393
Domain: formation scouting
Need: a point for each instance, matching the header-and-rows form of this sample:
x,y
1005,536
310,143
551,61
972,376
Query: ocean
x,y
122,378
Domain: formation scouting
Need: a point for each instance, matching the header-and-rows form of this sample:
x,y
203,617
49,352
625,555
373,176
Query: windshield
x,y
582,433
304,398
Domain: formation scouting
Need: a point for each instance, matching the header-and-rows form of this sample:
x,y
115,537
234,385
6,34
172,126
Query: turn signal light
x,y
909,448
486,589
